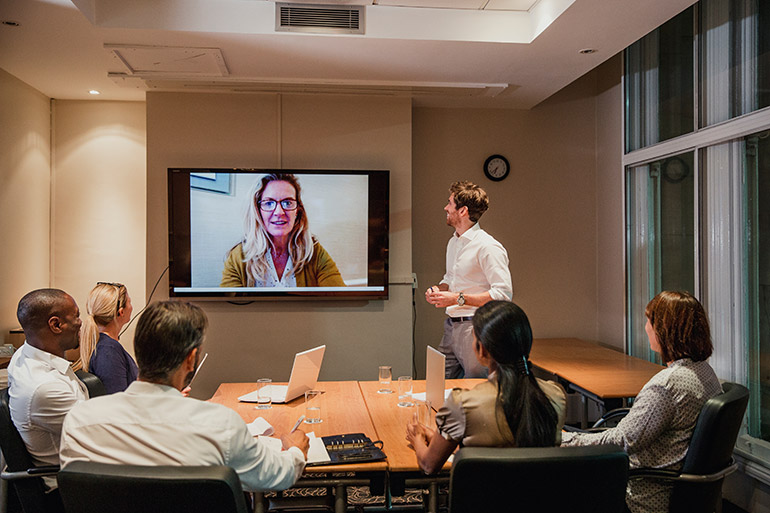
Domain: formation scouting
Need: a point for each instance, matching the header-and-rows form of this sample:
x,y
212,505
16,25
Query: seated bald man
x,y
41,384
152,423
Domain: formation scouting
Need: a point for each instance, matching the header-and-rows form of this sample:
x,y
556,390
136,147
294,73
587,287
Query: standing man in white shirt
x,y
42,387
476,272
152,423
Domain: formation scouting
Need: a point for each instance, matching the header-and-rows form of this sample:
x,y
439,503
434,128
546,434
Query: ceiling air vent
x,y
326,19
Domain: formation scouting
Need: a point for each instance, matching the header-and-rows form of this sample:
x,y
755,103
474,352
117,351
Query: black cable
x,y
414,332
146,303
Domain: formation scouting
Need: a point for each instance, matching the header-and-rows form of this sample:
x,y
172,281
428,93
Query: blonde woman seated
x,y
278,249
657,430
108,309
511,409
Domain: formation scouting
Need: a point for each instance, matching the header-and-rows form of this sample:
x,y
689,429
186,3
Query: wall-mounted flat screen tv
x,y
242,234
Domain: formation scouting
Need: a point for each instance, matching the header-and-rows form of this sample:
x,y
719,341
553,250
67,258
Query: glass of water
x,y
264,393
386,376
313,406
405,392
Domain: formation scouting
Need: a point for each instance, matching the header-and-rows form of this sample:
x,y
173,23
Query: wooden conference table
x,y
351,407
595,372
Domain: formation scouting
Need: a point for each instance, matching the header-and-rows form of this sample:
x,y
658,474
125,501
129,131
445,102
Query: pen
x,y
299,421
199,368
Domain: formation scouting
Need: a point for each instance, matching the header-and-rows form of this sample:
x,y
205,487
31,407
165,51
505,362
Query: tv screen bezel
x,y
179,241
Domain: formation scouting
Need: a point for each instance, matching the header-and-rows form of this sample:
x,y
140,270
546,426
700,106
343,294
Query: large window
x,y
659,84
698,186
661,256
735,60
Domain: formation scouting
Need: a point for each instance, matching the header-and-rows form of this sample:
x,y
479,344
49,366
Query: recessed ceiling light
x,y
586,51
94,92
11,23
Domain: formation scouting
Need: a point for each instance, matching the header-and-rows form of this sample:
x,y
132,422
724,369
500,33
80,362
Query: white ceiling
x,y
482,53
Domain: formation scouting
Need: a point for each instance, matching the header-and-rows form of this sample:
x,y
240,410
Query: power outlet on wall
x,y
414,280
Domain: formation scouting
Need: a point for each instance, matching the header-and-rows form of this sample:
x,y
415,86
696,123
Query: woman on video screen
x,y
278,249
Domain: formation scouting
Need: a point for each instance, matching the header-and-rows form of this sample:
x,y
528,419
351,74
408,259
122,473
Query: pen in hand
x,y
299,421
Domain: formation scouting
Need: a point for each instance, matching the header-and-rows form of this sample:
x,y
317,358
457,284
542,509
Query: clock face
x,y
496,167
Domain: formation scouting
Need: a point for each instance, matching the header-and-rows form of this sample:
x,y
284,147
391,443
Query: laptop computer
x,y
304,376
434,378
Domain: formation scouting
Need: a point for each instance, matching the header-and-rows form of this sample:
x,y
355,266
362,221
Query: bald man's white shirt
x,y
42,389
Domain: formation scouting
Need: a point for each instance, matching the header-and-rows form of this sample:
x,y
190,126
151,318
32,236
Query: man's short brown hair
x,y
681,325
470,195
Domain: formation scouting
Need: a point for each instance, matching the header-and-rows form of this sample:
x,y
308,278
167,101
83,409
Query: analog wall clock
x,y
496,168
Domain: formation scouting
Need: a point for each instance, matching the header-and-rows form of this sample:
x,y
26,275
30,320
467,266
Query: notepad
x,y
316,454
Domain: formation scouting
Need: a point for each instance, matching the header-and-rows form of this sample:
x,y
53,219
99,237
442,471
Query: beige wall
x,y
290,131
98,199
610,264
544,213
25,176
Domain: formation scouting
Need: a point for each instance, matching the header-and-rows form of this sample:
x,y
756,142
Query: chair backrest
x,y
92,382
88,487
543,479
31,492
711,448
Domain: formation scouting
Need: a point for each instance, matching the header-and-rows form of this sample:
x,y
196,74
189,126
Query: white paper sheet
x,y
260,427
316,454
421,395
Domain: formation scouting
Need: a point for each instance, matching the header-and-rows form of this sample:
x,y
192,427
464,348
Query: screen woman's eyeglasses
x,y
286,204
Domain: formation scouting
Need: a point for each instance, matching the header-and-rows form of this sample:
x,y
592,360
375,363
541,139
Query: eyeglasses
x,y
287,204
118,286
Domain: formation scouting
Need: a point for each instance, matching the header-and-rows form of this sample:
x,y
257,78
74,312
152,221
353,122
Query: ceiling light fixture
x,y
94,92
587,51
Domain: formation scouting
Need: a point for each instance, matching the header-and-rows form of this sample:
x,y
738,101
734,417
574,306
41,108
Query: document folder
x,y
351,448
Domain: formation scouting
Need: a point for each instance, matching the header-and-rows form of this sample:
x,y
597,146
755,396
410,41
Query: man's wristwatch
x,y
461,299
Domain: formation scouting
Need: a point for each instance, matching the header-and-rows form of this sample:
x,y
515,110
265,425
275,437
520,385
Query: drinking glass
x,y
386,375
422,412
405,391
313,406
264,390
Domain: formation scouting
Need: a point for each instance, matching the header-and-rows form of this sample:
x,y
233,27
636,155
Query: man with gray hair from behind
x,y
152,423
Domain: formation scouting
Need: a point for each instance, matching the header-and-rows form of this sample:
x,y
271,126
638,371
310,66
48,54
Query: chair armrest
x,y
610,415
669,475
48,470
572,429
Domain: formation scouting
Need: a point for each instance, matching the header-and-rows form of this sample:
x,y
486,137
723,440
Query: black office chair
x,y
698,486
20,471
88,487
92,382
542,479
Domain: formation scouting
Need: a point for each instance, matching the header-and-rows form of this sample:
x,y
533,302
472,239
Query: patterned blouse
x,y
656,432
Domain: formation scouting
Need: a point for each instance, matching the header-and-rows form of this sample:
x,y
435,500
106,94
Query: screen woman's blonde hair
x,y
257,242
102,307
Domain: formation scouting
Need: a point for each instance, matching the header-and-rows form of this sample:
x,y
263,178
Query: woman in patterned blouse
x,y
657,430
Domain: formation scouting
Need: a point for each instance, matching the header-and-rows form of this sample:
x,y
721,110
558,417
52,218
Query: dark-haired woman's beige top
x,y
474,418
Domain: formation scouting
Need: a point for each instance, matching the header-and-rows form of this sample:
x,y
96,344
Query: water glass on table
x,y
386,376
313,406
422,412
264,393
405,392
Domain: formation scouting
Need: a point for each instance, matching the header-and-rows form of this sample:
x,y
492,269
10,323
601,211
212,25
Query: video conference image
x,y
253,231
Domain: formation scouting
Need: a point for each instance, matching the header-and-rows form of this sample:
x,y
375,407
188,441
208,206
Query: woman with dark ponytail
x,y
511,409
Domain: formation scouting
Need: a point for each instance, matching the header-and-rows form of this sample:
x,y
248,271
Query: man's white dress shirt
x,y
42,388
152,424
476,263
